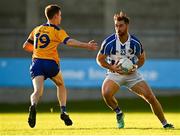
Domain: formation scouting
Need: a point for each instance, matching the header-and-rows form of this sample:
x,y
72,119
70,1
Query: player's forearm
x,y
76,43
141,60
140,64
102,62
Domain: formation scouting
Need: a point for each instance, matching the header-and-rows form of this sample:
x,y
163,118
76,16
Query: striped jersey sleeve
x,y
107,45
138,45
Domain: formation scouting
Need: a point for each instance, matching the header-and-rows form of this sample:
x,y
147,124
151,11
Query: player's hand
x,y
133,69
116,68
92,45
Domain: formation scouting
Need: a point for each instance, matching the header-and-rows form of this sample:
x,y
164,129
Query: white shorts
x,y
126,80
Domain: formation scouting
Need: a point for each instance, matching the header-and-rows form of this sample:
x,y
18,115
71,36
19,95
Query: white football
x,y
126,64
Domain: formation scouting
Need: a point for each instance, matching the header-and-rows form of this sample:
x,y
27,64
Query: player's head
x,y
53,12
121,22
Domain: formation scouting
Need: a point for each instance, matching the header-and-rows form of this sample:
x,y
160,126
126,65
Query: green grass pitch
x,y
136,123
91,118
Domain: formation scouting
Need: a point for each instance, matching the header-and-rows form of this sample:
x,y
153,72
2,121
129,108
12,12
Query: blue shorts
x,y
44,67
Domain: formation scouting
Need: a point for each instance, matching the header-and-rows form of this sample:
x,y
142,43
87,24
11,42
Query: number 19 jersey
x,y
46,39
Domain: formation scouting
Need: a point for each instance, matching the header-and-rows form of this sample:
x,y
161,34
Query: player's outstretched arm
x,y
28,46
91,45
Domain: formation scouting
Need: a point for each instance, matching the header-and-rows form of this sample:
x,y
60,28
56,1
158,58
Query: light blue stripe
x,y
14,72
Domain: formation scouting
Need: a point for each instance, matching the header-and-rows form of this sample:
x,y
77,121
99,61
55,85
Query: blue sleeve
x,y
66,39
139,49
106,48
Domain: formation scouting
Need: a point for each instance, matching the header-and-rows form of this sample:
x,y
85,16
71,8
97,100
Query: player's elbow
x,y
100,59
27,47
143,58
24,46
98,62
141,62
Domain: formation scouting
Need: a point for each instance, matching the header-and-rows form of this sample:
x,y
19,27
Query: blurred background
x,y
156,23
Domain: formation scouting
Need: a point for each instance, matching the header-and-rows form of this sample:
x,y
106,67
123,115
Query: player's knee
x,y
59,84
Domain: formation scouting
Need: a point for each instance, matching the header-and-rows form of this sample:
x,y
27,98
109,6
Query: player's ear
x,y
56,15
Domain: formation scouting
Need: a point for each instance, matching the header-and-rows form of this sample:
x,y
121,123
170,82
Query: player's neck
x,y
123,38
52,22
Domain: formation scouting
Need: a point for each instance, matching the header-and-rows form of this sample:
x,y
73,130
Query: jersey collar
x,y
117,38
52,25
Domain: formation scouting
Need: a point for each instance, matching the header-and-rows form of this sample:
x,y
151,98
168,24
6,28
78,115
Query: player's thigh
x,y
58,79
38,83
142,89
109,87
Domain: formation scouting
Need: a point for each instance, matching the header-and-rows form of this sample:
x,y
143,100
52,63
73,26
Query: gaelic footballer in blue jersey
x,y
120,45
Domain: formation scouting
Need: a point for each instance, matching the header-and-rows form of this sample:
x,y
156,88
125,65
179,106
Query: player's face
x,y
121,28
58,18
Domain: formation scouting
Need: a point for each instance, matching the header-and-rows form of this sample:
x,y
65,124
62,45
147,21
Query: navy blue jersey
x,y
115,50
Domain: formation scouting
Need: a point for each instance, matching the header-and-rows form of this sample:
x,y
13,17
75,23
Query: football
x,y
126,64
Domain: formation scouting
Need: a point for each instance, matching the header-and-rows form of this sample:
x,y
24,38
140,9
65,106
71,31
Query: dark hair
x,y
51,10
121,16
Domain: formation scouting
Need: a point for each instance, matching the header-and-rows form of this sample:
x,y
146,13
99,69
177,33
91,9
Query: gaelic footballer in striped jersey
x,y
124,47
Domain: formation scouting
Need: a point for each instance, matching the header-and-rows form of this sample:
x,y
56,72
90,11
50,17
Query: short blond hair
x,y
121,16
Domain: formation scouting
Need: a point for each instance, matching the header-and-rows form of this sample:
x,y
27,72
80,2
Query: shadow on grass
x,y
93,128
170,104
108,128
